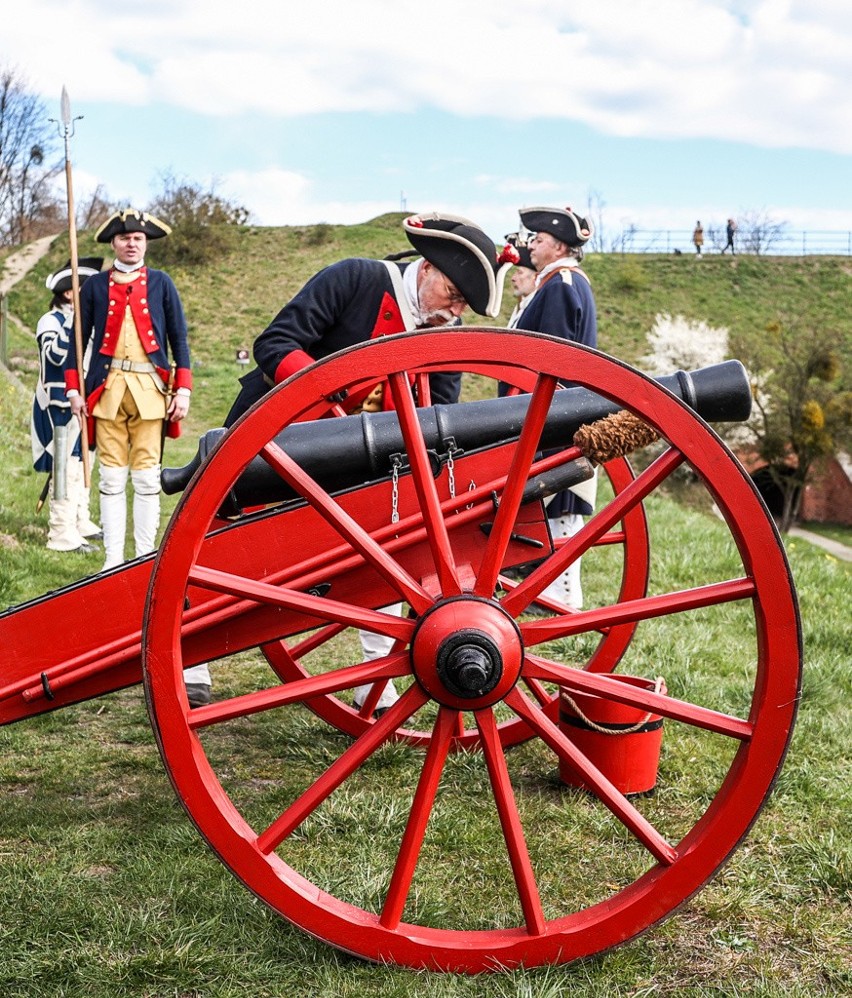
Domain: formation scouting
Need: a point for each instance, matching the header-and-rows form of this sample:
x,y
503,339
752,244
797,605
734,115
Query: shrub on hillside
x,y
204,225
630,277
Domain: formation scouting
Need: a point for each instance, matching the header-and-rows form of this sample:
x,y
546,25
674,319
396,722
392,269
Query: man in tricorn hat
x,y
563,305
55,435
133,316
522,277
355,300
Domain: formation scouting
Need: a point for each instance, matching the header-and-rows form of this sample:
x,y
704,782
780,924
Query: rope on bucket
x,y
603,729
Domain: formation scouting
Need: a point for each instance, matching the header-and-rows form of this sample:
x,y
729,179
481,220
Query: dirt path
x,y
833,547
19,264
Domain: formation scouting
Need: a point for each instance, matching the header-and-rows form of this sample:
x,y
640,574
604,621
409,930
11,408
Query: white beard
x,y
438,317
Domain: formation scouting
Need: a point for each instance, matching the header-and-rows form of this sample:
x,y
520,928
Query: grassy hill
x,y
231,300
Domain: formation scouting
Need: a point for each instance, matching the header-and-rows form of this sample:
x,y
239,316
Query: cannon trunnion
x,y
297,532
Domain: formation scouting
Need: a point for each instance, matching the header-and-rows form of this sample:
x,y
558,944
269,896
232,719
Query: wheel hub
x,y
467,653
469,663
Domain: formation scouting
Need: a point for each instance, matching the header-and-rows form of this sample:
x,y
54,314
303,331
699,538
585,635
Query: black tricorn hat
x,y
131,220
465,255
562,223
524,258
60,280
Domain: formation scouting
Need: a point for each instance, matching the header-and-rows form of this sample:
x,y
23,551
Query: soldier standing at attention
x,y
133,316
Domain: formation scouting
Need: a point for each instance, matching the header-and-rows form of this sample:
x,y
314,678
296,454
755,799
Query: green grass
x,y
107,889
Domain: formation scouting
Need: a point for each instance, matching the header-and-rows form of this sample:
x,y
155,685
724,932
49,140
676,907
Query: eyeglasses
x,y
453,295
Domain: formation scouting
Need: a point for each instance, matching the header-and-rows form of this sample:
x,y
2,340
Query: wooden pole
x,y
67,126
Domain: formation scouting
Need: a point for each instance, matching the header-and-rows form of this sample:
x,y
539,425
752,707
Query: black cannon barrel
x,y
352,450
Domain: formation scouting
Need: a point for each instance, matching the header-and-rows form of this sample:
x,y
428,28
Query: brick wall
x,y
828,496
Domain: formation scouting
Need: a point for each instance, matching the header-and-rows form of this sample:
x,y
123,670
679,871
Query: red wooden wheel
x,y
630,537
480,860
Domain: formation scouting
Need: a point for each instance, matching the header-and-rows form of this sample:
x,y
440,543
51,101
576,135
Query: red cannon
x,y
299,530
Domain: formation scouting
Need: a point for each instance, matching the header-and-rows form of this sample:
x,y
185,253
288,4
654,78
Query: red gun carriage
x,y
298,528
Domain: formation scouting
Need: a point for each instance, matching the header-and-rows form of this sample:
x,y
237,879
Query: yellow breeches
x,y
128,439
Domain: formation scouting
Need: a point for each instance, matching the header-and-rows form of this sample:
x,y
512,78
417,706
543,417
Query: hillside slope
x,y
231,300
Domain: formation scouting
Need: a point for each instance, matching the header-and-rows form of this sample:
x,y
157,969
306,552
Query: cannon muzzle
x,y
353,450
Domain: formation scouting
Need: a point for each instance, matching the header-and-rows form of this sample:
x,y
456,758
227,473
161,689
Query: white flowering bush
x,y
678,343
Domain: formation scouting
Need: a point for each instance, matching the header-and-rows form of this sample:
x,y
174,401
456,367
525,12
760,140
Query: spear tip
x,y
65,104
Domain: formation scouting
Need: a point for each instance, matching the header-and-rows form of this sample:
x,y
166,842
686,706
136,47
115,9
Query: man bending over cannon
x,y
357,299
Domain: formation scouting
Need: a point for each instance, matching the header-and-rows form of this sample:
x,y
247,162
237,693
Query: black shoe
x,y
85,548
537,610
198,694
99,536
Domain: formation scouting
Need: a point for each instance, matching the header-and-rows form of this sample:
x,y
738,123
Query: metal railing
x,y
774,241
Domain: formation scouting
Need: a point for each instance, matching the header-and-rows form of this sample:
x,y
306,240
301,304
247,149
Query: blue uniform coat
x,y
167,337
563,305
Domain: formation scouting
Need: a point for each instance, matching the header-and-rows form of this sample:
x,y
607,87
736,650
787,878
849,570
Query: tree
x,y
803,409
28,163
204,225
94,209
600,241
758,232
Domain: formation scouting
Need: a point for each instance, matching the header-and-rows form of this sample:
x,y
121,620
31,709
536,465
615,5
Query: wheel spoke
x,y
346,526
373,697
443,733
603,788
424,484
314,641
536,688
510,822
410,702
580,681
315,606
516,481
299,690
424,388
594,529
536,631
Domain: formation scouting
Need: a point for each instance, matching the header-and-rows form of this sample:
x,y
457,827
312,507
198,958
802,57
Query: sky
x,y
643,113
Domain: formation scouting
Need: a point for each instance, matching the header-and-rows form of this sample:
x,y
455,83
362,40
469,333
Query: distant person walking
x,y
730,232
698,238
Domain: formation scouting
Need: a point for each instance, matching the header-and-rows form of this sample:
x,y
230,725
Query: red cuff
x,y
296,360
183,378
72,381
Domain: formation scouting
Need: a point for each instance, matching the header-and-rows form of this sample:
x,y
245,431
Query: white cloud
x,y
515,184
772,72
281,197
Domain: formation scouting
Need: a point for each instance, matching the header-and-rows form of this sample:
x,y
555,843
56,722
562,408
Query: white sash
x,y
401,297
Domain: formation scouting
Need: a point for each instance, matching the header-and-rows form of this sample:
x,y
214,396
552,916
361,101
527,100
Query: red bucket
x,y
623,742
